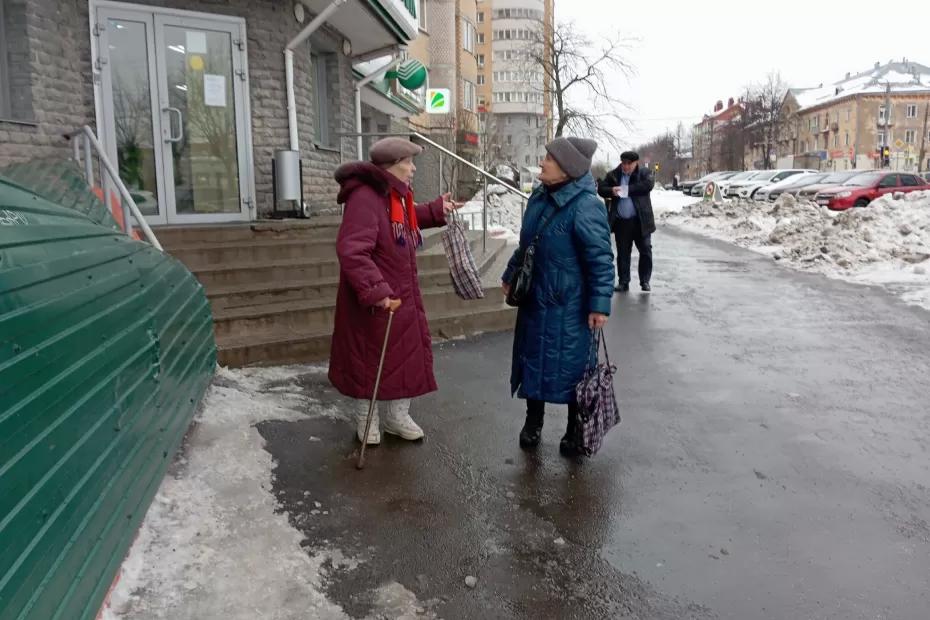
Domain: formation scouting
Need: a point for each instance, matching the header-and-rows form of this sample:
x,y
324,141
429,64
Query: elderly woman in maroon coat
x,y
377,247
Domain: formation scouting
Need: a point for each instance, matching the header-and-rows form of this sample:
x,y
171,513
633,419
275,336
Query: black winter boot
x,y
531,433
567,445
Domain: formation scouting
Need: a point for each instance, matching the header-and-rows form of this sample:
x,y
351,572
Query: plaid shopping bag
x,y
466,279
597,403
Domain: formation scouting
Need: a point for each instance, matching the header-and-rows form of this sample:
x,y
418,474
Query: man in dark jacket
x,y
629,212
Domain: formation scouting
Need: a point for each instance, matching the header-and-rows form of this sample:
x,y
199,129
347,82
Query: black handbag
x,y
521,282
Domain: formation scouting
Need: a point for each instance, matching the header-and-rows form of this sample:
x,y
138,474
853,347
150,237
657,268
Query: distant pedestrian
x,y
377,247
675,181
629,210
571,286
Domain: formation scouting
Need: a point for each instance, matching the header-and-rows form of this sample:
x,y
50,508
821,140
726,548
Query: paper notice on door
x,y
214,90
196,42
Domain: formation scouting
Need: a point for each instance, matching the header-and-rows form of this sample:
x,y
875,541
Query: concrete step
x,y
188,234
319,314
233,296
240,272
203,254
276,347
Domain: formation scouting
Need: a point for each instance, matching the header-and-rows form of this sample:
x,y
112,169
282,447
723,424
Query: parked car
x,y
736,178
747,189
925,176
863,188
687,186
834,179
796,184
764,193
699,188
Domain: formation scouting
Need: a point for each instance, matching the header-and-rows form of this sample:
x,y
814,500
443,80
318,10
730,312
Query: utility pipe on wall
x,y
312,27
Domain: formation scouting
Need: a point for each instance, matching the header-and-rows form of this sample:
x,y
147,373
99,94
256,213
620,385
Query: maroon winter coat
x,y
374,266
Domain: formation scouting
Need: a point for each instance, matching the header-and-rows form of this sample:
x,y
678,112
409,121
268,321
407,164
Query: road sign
x,y
899,143
438,100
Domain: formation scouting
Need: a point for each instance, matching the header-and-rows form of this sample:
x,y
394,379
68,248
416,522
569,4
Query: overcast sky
x,y
690,54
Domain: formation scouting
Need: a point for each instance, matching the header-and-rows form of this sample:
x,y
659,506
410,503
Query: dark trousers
x,y
628,232
537,408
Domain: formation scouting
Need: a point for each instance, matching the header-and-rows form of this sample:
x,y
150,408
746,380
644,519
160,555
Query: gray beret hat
x,y
390,150
573,154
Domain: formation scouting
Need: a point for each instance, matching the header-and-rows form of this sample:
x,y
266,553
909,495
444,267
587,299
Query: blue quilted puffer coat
x,y
572,277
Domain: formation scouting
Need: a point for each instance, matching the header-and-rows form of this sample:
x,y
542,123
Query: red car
x,y
863,188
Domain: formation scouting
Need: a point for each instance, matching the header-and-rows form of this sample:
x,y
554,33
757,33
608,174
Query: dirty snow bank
x,y
504,212
886,243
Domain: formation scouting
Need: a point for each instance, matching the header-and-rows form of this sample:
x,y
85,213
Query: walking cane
x,y
392,308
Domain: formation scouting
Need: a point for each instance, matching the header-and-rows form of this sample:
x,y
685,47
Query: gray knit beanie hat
x,y
573,154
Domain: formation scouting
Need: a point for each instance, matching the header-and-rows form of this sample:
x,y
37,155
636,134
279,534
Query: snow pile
x,y
886,243
504,212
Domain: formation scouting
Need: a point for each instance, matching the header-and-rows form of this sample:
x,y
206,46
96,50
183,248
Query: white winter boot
x,y
397,421
361,418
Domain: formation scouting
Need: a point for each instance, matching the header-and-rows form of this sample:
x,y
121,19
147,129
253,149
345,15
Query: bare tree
x,y
765,115
579,79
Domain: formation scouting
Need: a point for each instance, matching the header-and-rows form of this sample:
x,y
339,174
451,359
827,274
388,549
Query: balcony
x,y
371,25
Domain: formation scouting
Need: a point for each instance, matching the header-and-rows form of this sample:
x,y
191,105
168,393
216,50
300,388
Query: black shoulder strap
x,y
545,225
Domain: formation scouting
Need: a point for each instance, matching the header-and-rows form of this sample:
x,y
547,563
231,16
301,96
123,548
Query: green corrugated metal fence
x,y
106,348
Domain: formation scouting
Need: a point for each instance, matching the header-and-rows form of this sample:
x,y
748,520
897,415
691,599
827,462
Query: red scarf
x,y
404,219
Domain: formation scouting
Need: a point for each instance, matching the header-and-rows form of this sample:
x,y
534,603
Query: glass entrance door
x,y
175,113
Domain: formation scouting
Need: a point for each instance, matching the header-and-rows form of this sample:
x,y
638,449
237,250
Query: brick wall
x,y
63,99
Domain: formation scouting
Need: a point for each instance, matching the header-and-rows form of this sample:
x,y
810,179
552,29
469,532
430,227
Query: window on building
x,y
527,159
15,70
847,138
527,141
480,17
881,138
509,140
469,36
912,110
836,141
480,38
881,114
325,114
480,80
481,61
421,14
468,95
910,136
848,114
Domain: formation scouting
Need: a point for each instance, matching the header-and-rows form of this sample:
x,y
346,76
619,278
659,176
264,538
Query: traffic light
x,y
886,156
657,167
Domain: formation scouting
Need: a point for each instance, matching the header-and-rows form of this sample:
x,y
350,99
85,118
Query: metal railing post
x,y
88,162
442,172
484,219
92,144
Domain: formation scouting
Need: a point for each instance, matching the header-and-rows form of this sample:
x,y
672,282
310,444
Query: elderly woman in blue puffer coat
x,y
572,286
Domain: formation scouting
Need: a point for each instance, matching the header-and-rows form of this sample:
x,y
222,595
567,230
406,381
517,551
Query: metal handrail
x,y
444,151
91,144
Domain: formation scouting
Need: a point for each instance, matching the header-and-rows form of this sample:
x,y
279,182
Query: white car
x,y
763,192
747,189
737,178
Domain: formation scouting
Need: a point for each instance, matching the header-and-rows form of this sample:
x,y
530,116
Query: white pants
x,y
394,407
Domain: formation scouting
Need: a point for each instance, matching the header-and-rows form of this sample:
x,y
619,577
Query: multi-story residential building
x,y
843,125
717,141
511,87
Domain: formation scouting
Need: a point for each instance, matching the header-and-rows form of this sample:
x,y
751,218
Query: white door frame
x,y
157,18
